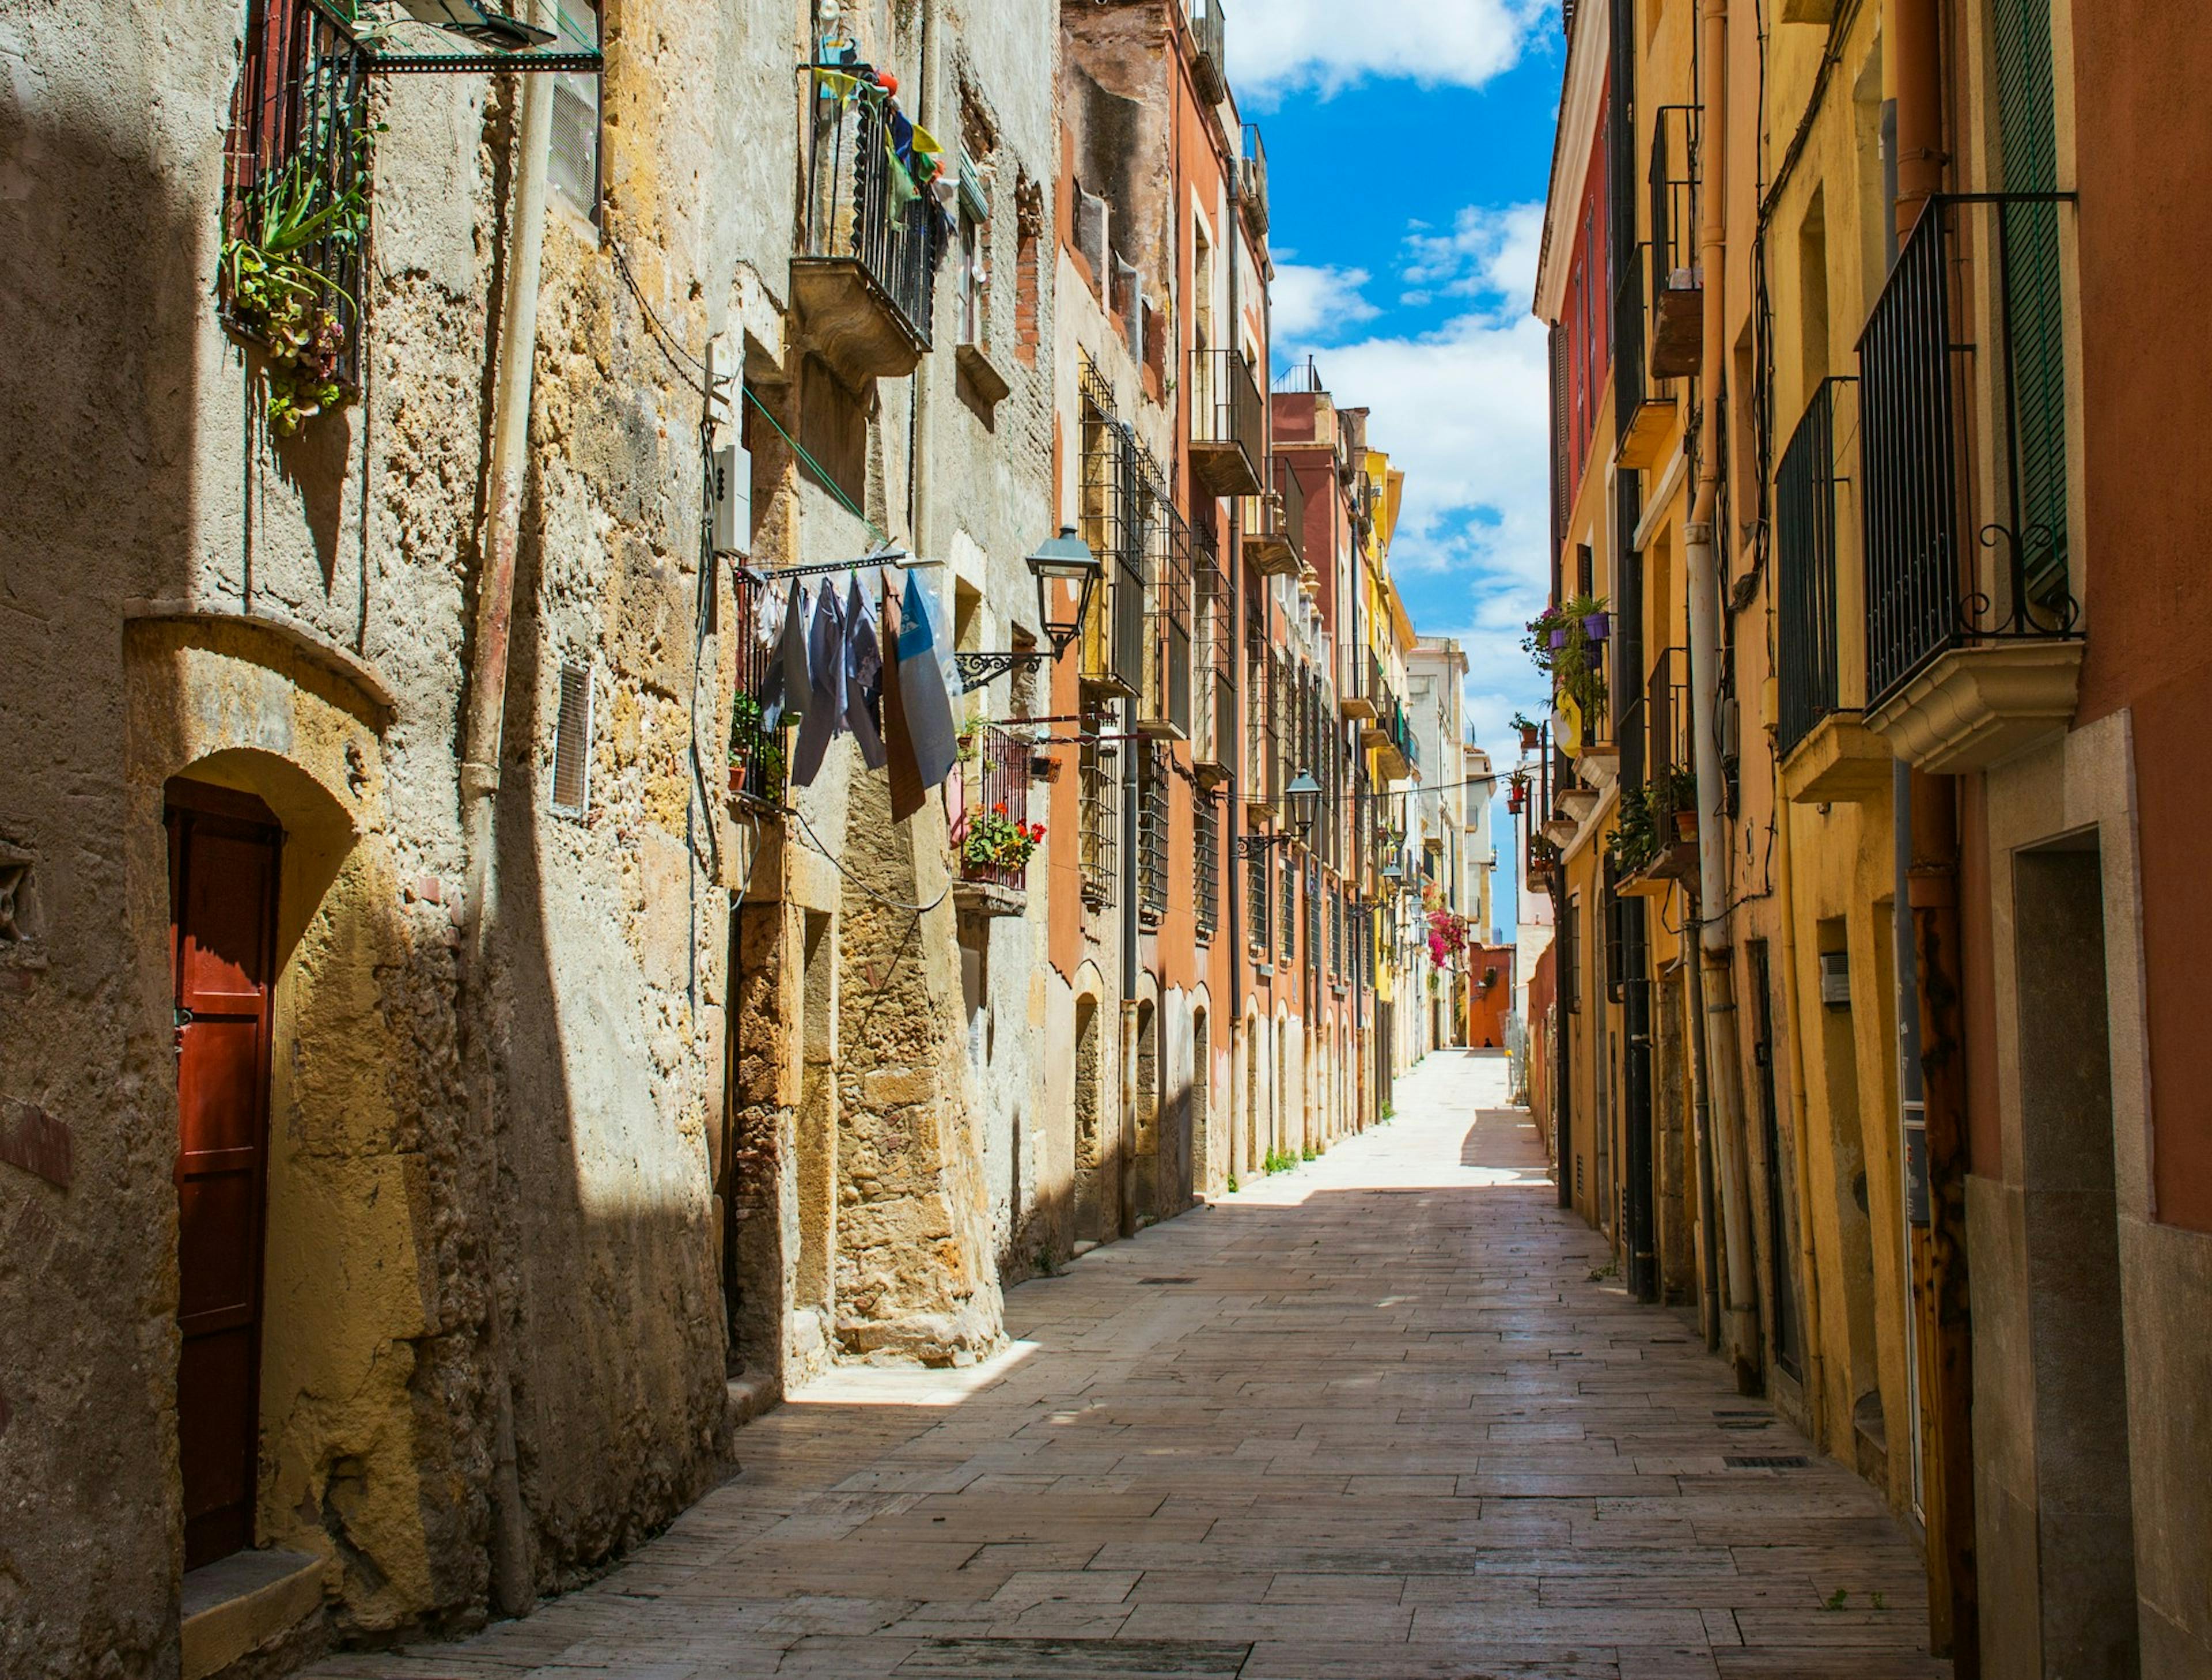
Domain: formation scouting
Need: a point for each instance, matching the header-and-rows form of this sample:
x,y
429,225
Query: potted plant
x,y
1597,625
996,842
756,753
1675,790
1560,642
1532,732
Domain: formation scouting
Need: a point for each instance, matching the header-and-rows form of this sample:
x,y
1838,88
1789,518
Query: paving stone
x,y
1389,1430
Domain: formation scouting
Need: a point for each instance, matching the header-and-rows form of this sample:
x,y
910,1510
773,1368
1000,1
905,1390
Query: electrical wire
x,y
813,843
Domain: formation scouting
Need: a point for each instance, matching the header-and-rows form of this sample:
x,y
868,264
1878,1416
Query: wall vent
x,y
571,742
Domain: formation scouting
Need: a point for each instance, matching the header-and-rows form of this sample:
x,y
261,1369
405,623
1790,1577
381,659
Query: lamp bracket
x,y
980,670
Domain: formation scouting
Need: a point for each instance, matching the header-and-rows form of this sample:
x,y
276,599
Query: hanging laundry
x,y
792,674
864,675
907,792
926,695
825,709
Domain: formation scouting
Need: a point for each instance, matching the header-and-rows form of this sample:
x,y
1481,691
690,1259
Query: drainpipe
x,y
513,1586
1703,559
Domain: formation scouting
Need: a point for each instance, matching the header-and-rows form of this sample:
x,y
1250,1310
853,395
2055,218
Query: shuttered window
x,y
571,742
2034,309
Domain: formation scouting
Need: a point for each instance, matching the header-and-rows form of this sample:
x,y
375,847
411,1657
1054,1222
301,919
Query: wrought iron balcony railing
x,y
1213,737
1678,291
1209,31
1228,423
1944,571
1274,524
1808,663
865,274
1252,182
1001,789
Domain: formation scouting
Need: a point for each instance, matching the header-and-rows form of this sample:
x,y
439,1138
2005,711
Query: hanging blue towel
x,y
922,687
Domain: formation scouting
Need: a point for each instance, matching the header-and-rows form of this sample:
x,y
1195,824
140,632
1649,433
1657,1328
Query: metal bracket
x,y
980,670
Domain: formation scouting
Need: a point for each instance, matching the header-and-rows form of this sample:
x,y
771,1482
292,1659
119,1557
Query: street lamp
x,y
1302,801
1067,575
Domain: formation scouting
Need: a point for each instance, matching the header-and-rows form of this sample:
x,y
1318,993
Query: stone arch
x,y
1148,1165
1278,1108
1255,1073
1203,1176
364,1069
1092,1035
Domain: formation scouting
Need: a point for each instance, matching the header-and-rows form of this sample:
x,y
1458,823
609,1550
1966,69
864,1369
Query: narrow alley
x,y
1389,1414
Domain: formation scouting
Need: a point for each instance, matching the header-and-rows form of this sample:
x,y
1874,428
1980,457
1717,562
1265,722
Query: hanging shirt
x,y
923,688
792,675
907,793
864,675
825,709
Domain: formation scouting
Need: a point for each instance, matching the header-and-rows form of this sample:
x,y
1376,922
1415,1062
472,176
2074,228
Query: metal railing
x,y
1215,673
1206,864
1226,406
1113,523
1252,181
1921,424
1165,702
1098,816
1209,31
859,211
1665,708
298,147
1303,379
1152,778
1002,787
1677,290
1808,668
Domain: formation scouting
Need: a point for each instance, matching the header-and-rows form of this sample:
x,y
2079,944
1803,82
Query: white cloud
x,y
1277,44
1314,303
1487,253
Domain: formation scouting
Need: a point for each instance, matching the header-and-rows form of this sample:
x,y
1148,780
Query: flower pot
x,y
1559,638
1597,625
741,769
1531,739
1685,826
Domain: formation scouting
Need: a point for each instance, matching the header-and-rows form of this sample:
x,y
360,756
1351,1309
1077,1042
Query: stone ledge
x,y
1842,762
1974,708
238,1603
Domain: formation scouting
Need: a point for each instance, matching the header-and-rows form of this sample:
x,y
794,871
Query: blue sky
x,y
1409,145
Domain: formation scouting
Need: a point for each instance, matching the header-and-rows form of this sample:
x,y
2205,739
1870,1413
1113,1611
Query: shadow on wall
x,y
614,1315
103,310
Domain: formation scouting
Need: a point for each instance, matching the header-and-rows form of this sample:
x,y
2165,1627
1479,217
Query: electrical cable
x,y
813,843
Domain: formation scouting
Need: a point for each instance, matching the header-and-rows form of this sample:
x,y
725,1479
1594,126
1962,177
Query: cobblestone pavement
x,y
1375,1417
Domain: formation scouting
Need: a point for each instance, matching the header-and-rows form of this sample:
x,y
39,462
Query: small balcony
x,y
1209,35
1362,677
1252,182
1213,742
1163,707
1828,756
1228,423
1973,633
1677,284
993,883
1274,524
1382,709
864,278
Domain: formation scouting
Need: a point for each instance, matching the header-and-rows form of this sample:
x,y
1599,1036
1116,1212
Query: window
x,y
974,257
571,742
1205,857
1259,903
1152,834
1289,910
574,166
1098,807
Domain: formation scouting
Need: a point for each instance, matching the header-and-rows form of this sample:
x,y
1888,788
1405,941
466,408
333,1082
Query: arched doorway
x,y
1146,1197
1090,1118
1201,1103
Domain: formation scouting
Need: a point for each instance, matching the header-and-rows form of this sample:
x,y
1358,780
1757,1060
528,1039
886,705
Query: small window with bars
x,y
1205,859
1098,812
1152,834
1259,906
1313,913
573,166
1290,947
571,742
1336,932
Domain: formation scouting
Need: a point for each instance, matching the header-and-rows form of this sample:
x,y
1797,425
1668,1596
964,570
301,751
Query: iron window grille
x,y
1206,864
1166,548
298,150
1806,569
1213,659
1314,913
1336,932
1259,906
1921,427
1290,923
856,212
1152,821
1098,818
1259,700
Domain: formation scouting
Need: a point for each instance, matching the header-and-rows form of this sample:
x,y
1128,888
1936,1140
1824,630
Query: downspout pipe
x,y
512,1584
1704,565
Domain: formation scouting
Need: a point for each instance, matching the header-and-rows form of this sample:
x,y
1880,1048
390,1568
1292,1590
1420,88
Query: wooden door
x,y
223,852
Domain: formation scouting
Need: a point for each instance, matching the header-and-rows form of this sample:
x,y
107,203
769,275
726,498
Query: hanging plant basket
x,y
1597,625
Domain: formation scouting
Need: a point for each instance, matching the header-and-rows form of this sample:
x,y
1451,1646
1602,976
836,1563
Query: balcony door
x,y
223,856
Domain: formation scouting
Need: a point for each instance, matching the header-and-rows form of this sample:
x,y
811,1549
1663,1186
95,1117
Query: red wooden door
x,y
223,851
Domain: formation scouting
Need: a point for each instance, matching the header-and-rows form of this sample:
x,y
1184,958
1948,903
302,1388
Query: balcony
x,y
1164,705
1113,489
1677,284
1252,182
1362,677
1382,710
1974,649
1828,756
999,794
1274,524
1228,423
864,279
1209,35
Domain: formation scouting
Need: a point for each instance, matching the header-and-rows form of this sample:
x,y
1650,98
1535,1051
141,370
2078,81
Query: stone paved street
x,y
1374,1417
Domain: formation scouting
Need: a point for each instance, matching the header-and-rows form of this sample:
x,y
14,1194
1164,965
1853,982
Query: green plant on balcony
x,y
1634,841
1559,642
995,841
756,754
275,295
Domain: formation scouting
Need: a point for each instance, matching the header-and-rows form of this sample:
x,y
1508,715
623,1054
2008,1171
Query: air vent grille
x,y
571,742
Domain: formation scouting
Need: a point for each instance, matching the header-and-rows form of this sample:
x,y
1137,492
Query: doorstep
x,y
240,1603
